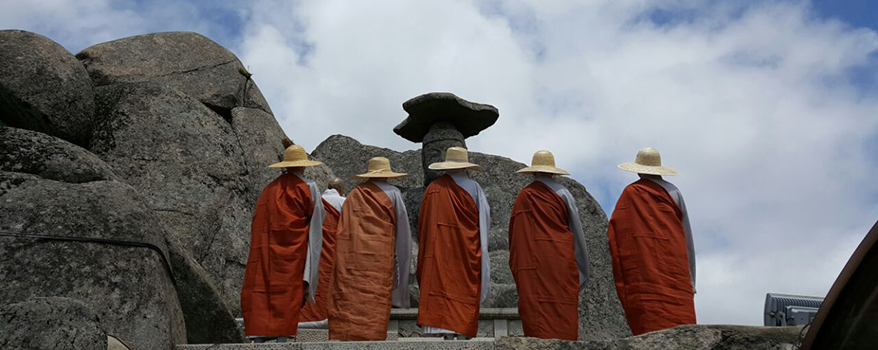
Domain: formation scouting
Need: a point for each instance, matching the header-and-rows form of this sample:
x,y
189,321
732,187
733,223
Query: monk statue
x,y
442,120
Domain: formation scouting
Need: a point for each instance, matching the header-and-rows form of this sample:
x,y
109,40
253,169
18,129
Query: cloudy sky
x,y
766,108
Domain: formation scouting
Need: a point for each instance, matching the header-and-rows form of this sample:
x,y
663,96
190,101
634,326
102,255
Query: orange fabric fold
x,y
317,311
650,261
543,262
273,290
362,281
449,258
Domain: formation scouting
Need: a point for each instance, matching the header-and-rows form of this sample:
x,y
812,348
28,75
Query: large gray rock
x,y
128,287
43,87
50,323
601,315
29,152
187,162
188,61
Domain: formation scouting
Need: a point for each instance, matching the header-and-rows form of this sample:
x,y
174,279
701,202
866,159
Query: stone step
x,y
493,323
410,343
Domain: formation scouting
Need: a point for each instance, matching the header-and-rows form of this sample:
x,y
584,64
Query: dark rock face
x,y
187,61
187,162
50,323
209,318
43,87
29,152
259,136
684,337
128,287
469,118
601,315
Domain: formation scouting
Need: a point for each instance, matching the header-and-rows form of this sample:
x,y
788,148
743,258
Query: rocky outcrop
x,y
43,87
180,130
601,315
187,162
50,323
104,245
190,62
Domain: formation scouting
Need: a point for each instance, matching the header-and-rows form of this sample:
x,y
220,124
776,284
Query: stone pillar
x,y
441,136
441,120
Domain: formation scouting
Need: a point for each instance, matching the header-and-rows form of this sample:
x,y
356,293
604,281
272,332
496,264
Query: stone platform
x,y
493,323
692,337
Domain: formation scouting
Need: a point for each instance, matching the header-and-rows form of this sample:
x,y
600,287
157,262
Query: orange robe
x,y
274,287
449,258
542,258
362,282
650,259
317,311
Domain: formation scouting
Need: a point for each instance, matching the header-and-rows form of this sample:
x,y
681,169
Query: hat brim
x,y
455,165
387,175
544,169
296,164
647,169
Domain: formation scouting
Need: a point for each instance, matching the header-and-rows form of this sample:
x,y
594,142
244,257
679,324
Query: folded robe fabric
x,y
317,310
650,259
284,250
449,259
544,254
363,277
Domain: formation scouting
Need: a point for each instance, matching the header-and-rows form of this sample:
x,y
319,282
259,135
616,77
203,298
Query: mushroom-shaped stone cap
x,y
469,118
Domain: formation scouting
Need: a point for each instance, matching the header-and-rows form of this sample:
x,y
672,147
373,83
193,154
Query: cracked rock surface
x,y
128,287
50,323
187,61
187,162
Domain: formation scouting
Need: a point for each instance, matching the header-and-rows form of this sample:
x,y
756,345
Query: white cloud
x,y
752,103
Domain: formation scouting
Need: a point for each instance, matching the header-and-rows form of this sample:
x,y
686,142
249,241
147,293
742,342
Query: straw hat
x,y
295,156
543,162
455,158
379,167
648,161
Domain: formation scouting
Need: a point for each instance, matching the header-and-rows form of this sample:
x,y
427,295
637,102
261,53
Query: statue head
x,y
441,136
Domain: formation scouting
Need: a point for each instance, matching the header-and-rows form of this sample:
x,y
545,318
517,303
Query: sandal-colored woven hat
x,y
455,158
543,162
648,161
295,156
379,167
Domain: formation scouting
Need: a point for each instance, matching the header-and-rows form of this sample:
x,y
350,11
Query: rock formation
x,y
441,120
72,196
43,87
176,139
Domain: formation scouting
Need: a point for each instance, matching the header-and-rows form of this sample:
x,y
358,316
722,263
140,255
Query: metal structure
x,y
790,310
